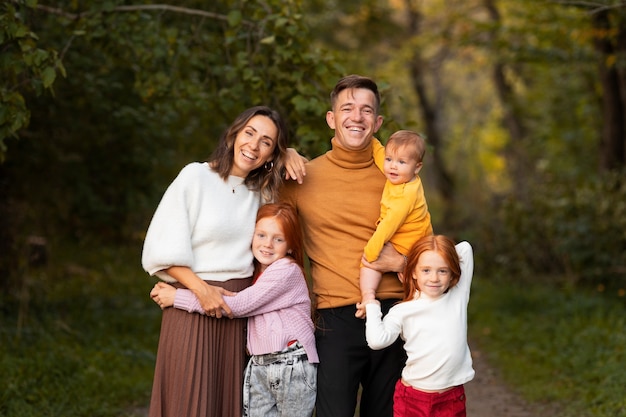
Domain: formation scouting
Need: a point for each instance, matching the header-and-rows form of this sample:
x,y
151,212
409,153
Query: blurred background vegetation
x,y
523,103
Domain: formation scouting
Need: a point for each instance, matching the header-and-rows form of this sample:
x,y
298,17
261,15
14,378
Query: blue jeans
x,y
280,384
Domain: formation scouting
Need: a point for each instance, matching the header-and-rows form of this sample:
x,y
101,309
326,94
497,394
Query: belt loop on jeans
x,y
285,354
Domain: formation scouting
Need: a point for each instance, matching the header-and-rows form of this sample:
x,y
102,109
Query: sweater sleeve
x,y
378,332
395,216
466,254
272,291
186,300
378,152
168,239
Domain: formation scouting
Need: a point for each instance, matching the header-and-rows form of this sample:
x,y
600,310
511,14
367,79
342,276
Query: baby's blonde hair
x,y
408,138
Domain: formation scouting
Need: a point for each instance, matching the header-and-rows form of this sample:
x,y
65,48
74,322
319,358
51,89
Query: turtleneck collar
x,y
348,158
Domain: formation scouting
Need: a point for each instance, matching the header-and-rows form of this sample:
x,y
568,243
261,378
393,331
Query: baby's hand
x,y
360,307
163,294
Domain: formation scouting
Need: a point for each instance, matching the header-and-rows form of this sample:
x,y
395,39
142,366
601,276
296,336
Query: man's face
x,y
354,118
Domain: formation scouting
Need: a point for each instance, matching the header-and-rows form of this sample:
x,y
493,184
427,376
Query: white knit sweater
x,y
204,223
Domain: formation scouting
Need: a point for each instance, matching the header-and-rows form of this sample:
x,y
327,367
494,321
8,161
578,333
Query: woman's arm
x,y
275,290
209,296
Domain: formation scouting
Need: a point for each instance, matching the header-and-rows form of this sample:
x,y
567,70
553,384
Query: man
x,y
338,204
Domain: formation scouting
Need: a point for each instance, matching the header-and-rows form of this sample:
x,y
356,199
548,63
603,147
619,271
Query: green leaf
x,y
234,18
48,75
268,40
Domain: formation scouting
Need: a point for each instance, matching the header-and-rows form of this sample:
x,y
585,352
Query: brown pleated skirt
x,y
200,363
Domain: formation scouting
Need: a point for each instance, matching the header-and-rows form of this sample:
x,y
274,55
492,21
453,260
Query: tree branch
x,y
596,7
149,7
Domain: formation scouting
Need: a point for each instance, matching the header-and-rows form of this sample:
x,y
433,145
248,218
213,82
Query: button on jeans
x,y
280,384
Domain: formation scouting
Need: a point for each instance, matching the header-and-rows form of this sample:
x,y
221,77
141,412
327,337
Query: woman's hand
x,y
209,296
212,301
294,165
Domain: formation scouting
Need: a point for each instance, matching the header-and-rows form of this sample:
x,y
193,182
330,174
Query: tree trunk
x,y
613,81
7,247
430,114
515,154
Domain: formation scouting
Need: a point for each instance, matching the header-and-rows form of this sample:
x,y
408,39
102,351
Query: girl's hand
x,y
163,294
361,312
294,165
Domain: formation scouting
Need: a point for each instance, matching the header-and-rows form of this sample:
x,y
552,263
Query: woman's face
x,y
254,145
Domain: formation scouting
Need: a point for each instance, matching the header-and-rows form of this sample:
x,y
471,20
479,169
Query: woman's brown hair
x,y
265,179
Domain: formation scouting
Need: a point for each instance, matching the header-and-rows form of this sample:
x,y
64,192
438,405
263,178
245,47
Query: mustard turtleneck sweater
x,y
338,205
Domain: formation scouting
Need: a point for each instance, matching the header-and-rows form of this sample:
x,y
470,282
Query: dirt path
x,y
488,396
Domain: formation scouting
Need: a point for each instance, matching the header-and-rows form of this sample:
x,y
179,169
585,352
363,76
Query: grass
x,y
82,341
564,348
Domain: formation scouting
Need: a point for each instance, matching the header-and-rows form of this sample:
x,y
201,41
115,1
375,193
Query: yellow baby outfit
x,y
404,216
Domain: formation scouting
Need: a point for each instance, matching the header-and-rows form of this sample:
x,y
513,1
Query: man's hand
x,y
389,260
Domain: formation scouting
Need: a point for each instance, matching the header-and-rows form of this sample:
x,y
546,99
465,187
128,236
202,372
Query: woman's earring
x,y
269,165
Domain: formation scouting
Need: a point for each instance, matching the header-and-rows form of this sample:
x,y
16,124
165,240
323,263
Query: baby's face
x,y
400,165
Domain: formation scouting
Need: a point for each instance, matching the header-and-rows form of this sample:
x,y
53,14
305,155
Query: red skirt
x,y
200,363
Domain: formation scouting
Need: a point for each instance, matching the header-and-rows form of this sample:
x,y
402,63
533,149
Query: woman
x,y
199,239
281,376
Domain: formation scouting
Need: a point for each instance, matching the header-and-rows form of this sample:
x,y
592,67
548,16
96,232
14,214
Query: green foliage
x,y
561,349
579,228
149,89
25,68
81,340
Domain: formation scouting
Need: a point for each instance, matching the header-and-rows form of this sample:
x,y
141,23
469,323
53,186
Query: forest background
x,y
523,103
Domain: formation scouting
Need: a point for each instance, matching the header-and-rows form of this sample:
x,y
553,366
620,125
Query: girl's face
x,y
432,275
254,145
268,242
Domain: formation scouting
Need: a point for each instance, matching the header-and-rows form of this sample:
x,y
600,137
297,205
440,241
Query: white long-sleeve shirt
x,y
434,332
203,224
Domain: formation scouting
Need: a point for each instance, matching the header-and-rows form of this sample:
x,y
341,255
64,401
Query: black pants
x,y
347,362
